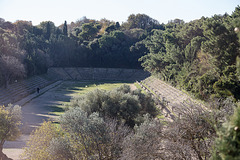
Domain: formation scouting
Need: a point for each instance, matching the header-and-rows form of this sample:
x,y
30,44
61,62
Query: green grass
x,y
76,88
139,87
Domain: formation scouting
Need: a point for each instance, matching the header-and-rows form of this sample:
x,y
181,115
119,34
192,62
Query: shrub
x,y
145,143
91,137
122,104
191,135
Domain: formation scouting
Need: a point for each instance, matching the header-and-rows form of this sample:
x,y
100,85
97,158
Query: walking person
x,y
38,89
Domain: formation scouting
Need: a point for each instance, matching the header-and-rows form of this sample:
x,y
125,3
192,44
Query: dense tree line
x,y
201,56
84,43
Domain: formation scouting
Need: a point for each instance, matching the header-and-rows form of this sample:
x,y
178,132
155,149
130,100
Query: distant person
x,y
38,89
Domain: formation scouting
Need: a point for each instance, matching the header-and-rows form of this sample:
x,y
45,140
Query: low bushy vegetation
x,y
122,104
123,124
94,127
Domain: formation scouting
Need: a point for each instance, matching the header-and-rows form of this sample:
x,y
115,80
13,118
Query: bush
x,y
145,143
94,127
91,137
191,135
122,104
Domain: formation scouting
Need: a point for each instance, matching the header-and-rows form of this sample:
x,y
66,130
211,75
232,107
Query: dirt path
x,y
34,113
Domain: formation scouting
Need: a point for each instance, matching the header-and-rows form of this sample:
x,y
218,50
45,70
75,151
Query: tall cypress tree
x,y
48,32
65,28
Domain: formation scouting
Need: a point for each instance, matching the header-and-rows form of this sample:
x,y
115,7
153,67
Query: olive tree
x,y
122,104
191,134
39,141
10,120
91,137
145,142
11,68
79,136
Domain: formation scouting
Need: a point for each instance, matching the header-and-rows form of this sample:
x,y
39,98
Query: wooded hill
x,y
200,56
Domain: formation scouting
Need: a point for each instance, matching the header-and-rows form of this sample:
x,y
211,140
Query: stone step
x,y
21,89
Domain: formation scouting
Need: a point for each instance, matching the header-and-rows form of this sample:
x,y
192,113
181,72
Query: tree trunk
x,y
2,155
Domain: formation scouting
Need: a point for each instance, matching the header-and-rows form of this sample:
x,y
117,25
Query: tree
x,y
89,31
141,21
48,31
238,67
23,26
117,26
11,68
10,120
48,28
65,30
40,139
228,140
222,42
78,136
92,137
191,135
121,104
145,142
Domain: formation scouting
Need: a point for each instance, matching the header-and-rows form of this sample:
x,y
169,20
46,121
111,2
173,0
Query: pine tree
x,y
228,141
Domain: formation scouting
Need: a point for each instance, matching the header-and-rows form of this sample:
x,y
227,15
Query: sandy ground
x,y
34,113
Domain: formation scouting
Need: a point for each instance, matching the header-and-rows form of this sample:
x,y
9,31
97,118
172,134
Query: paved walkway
x,y
35,109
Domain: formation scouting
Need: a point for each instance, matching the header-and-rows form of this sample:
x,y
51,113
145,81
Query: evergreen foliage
x,y
228,140
193,56
199,56
65,30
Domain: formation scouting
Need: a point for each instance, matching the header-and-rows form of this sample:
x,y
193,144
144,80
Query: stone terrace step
x,y
98,74
73,72
21,89
60,73
166,93
86,73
